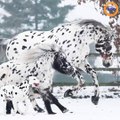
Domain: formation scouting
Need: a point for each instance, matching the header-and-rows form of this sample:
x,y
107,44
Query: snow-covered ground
x,y
80,108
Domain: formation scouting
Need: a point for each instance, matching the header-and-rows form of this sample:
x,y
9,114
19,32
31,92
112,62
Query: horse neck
x,y
97,36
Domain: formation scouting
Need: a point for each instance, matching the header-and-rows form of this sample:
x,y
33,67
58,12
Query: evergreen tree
x,y
19,15
50,14
31,14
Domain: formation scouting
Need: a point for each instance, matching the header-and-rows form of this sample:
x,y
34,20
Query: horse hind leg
x,y
55,101
47,103
9,106
33,101
15,106
35,105
48,107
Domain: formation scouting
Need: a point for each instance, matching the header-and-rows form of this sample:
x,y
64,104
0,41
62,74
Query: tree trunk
x,y
36,15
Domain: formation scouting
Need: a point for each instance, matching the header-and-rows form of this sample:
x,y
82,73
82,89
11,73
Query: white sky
x,y
84,11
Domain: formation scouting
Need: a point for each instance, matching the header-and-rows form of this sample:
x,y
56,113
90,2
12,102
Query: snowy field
x,y
80,108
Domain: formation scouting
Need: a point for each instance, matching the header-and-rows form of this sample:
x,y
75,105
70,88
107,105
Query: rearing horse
x,y
74,38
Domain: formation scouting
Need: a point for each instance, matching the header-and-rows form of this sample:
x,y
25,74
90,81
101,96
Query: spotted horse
x,y
40,62
74,38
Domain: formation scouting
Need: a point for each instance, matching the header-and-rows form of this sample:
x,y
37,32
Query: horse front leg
x,y
32,99
49,98
92,72
47,103
76,75
35,105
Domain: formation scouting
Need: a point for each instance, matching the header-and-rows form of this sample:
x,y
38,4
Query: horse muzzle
x,y
107,63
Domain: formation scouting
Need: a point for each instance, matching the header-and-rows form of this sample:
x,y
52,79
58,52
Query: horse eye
x,y
105,45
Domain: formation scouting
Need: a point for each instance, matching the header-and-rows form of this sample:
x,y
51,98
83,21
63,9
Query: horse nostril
x,y
106,64
71,70
36,84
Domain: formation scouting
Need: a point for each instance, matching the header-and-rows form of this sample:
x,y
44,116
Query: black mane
x,y
90,21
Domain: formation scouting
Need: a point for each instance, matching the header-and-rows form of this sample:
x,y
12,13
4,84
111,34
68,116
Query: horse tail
x,y
36,52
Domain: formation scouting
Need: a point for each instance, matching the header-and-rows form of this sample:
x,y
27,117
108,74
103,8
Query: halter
x,y
106,56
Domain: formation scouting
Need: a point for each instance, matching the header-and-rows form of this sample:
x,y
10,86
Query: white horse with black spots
x,y
40,62
74,38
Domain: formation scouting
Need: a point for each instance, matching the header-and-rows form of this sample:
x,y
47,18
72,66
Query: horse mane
x,y
36,52
91,21
88,21
111,33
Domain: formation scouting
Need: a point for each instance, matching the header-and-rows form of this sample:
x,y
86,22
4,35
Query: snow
x,y
84,109
107,109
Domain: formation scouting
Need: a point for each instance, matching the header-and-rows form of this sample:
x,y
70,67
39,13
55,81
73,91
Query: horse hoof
x,y
68,93
51,113
17,112
65,110
40,110
95,99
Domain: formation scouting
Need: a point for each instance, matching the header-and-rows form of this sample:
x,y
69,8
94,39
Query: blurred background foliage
x,y
31,14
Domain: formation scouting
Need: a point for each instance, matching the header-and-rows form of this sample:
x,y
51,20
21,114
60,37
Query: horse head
x,y
104,47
